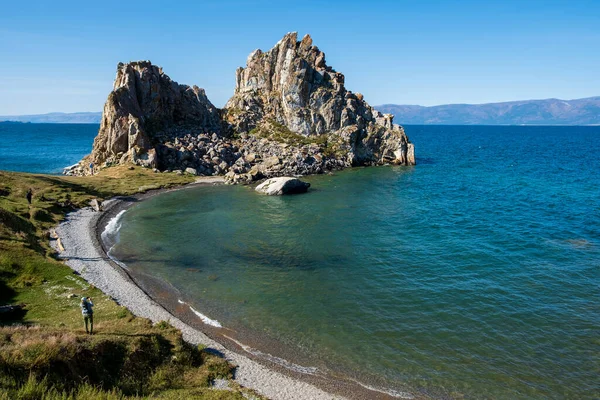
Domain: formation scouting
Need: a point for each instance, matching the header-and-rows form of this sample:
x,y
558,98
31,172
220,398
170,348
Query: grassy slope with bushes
x,y
44,351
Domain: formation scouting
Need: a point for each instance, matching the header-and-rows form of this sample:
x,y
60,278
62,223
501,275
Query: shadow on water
x,y
132,261
426,161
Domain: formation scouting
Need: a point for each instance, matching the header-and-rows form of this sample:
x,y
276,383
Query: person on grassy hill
x,y
88,314
29,195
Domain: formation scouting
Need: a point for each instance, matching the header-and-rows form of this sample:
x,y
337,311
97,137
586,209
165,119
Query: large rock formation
x,y
145,109
292,85
290,115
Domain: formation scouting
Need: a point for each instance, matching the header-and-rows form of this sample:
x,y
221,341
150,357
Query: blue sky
x,y
62,56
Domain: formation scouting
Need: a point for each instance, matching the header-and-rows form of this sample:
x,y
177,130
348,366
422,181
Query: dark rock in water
x,y
282,185
290,115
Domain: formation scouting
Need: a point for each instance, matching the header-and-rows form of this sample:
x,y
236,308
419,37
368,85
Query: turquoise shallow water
x,y
475,273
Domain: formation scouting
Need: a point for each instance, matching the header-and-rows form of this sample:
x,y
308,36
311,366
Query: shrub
x,y
35,390
41,215
163,325
165,377
123,313
217,367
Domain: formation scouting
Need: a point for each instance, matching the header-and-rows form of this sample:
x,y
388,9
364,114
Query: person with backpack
x,y
88,314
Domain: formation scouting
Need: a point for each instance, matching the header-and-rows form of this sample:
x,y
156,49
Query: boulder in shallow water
x,y
282,185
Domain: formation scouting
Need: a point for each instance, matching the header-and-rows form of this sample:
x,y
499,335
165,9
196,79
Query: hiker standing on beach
x,y
29,195
88,314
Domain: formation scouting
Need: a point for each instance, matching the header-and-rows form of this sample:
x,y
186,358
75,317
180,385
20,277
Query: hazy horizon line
x,y
375,106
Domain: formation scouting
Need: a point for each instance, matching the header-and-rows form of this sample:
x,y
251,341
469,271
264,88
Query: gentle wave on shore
x,y
276,360
110,235
204,318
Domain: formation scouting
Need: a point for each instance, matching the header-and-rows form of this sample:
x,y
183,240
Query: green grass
x,y
44,352
35,389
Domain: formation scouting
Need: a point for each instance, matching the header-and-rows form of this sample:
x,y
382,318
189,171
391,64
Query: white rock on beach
x,y
282,185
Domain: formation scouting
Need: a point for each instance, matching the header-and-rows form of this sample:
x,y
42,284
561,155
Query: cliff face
x,y
290,114
292,85
145,108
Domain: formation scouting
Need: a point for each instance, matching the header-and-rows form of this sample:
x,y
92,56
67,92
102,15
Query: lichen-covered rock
x,y
282,185
292,86
142,111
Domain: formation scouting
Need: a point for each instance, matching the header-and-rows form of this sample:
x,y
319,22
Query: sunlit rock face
x,y
293,85
146,108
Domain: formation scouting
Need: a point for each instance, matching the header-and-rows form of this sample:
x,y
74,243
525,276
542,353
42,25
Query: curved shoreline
x,y
85,253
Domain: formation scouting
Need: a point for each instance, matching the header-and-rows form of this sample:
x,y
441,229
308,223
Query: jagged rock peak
x,y
293,86
145,108
290,115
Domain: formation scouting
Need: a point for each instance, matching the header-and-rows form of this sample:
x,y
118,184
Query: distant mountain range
x,y
527,112
56,118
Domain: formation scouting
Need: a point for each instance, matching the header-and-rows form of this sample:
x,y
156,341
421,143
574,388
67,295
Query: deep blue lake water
x,y
475,274
44,148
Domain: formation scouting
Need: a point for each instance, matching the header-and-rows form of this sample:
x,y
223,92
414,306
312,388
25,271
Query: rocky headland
x,y
290,115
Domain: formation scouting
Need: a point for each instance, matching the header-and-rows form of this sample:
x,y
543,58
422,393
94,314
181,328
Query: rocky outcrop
x,y
282,185
292,85
290,115
145,109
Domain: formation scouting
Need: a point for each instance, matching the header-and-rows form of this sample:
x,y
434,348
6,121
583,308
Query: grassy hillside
x,y
44,351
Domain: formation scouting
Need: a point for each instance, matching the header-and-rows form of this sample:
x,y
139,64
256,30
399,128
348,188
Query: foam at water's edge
x,y
111,231
394,393
110,236
276,360
204,318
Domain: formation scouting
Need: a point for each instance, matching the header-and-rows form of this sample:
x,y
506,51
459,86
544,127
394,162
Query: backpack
x,y
86,309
